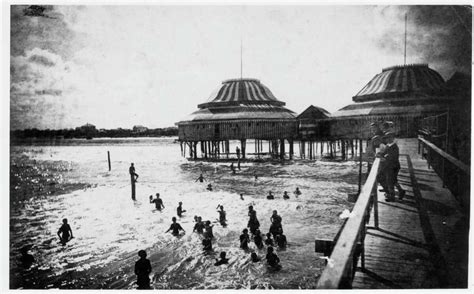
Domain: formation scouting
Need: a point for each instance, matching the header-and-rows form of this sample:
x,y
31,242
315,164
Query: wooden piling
x,y
108,159
132,179
282,148
291,148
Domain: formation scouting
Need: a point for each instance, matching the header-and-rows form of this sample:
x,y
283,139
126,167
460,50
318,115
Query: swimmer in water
x,y
65,232
200,178
180,210
241,196
285,195
26,259
209,187
175,227
223,259
244,239
275,218
143,270
250,210
272,259
270,196
207,244
158,201
281,241
254,257
297,192
269,240
253,223
199,226
257,239
222,214
208,230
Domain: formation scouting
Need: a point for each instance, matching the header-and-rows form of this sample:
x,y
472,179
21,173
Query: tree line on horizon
x,y
92,132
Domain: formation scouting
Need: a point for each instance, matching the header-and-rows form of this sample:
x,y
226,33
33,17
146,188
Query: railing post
x,y
419,147
362,242
376,206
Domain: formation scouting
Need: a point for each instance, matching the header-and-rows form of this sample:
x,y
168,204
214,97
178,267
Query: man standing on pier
x,y
133,179
390,166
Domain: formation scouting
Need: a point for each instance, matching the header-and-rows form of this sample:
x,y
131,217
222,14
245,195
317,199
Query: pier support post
x,y
302,155
195,149
282,148
291,149
343,149
242,147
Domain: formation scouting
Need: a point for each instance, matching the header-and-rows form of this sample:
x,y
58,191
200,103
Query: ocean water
x,y
70,179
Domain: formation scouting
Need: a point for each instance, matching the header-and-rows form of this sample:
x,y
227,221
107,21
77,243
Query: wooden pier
x,y
419,242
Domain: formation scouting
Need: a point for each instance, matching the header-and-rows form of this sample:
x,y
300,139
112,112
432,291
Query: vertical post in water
x,y
132,178
108,158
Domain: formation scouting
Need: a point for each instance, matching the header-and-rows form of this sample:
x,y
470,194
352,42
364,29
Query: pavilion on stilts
x,y
240,109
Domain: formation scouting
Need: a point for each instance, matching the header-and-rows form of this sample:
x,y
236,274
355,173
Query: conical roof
x,y
241,91
400,81
241,99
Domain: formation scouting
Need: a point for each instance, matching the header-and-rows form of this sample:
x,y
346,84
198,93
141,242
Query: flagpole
x,y
405,52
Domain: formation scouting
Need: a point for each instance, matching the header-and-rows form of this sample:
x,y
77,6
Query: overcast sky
x,y
120,66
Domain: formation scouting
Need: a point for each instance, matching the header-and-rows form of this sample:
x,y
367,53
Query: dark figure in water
x,y
26,259
275,218
222,214
158,202
143,270
209,187
223,259
258,239
270,196
200,178
285,195
175,227
180,210
207,244
253,223
133,174
65,232
272,259
269,240
254,257
281,241
199,226
244,239
275,227
297,192
208,230
250,210
232,168
133,179
241,196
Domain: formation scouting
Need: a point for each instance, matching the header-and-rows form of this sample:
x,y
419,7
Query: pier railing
x,y
454,173
342,263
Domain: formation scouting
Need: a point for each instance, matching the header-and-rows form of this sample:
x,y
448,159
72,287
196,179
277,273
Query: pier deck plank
x,y
422,240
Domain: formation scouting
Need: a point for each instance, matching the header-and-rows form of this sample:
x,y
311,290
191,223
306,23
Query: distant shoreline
x,y
90,132
36,140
